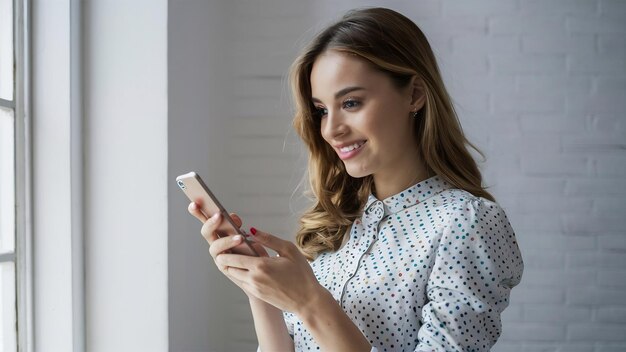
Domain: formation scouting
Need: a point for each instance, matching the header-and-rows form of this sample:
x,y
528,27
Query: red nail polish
x,y
253,231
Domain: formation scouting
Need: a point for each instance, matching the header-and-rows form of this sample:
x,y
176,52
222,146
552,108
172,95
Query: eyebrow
x,y
341,93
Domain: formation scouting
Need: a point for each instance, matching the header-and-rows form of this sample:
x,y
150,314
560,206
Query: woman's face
x,y
364,117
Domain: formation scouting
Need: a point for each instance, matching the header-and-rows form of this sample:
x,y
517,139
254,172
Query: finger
x,y
239,276
194,209
235,260
268,240
236,219
259,248
209,227
221,245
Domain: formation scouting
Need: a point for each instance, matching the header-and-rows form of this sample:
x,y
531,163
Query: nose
x,y
333,126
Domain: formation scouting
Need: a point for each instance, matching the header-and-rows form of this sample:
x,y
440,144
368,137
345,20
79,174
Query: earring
x,y
415,114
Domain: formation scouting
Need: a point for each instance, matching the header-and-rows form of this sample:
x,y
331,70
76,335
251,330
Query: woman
x,y
403,249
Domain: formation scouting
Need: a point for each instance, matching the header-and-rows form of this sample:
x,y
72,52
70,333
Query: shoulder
x,y
462,206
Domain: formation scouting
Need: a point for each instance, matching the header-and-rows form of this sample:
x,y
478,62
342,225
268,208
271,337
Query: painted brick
x,y
548,313
446,27
577,224
259,146
551,277
529,101
613,8
604,260
609,124
530,185
610,165
550,83
263,127
453,8
613,241
542,43
533,332
594,187
577,347
557,241
612,44
532,64
472,102
486,43
611,314
544,204
557,7
596,332
612,278
609,206
538,223
556,165
592,143
595,25
506,144
532,294
465,63
555,123
503,346
527,24
284,185
608,347
540,259
600,64
593,295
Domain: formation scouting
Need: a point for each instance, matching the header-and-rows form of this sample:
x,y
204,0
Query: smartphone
x,y
195,189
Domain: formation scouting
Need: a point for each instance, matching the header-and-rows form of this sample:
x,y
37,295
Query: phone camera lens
x,y
181,184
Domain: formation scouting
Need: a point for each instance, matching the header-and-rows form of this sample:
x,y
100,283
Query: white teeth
x,y
351,147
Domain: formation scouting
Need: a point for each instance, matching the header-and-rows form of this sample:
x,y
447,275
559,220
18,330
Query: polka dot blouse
x,y
428,269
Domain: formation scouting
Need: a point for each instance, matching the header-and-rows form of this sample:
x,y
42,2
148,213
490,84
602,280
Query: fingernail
x,y
194,206
236,238
253,231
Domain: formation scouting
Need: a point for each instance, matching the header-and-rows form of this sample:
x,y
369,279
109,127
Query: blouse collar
x,y
411,196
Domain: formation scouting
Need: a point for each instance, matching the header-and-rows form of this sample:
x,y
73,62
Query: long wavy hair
x,y
395,45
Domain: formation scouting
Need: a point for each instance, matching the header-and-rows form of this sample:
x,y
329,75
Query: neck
x,y
393,182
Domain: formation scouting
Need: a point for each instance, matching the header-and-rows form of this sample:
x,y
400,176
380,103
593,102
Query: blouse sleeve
x,y
476,264
289,322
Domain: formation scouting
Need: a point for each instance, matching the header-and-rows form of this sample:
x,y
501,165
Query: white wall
x,y
539,87
229,121
51,168
126,167
197,294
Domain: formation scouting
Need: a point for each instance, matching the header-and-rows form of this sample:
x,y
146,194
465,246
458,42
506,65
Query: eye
x,y
320,111
351,103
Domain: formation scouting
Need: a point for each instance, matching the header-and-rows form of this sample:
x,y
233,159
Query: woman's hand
x,y
219,245
285,281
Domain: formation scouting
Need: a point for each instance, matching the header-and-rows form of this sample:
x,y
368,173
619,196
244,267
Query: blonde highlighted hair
x,y
393,44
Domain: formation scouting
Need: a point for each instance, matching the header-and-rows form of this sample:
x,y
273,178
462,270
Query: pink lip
x,y
350,154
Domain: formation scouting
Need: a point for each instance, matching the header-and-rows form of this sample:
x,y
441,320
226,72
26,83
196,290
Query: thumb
x,y
270,241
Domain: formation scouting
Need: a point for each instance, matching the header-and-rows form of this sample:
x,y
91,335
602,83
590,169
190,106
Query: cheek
x,y
392,133
322,130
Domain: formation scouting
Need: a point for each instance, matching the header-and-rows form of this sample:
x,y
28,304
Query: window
x,y
12,164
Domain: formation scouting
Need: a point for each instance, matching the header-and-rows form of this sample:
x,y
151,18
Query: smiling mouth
x,y
352,147
351,150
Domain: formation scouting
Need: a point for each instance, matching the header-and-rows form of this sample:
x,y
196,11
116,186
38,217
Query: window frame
x,y
23,176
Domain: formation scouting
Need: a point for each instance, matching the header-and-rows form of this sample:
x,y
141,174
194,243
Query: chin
x,y
357,172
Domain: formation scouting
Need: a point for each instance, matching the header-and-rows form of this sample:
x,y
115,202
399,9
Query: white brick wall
x,y
540,87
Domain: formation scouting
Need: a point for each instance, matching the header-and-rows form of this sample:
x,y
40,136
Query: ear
x,y
418,93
